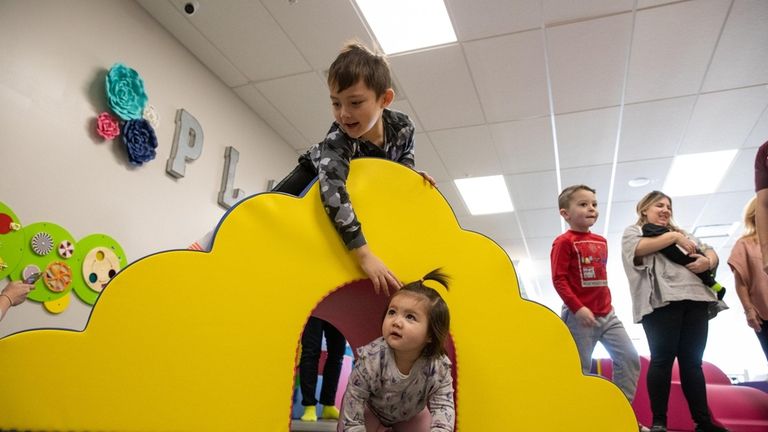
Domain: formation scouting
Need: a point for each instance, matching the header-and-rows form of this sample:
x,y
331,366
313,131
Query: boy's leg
x,y
421,422
585,338
335,345
626,363
311,343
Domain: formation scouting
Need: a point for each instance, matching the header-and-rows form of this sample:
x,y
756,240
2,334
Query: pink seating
x,y
738,408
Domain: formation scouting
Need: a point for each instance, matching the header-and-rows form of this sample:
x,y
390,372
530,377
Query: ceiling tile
x,y
495,17
723,120
541,222
741,58
196,42
526,196
597,177
654,129
495,226
686,210
653,169
301,20
303,100
622,215
466,152
725,208
567,10
759,133
510,75
439,87
525,145
540,247
515,249
428,160
451,194
587,138
405,107
740,175
671,48
587,61
272,116
642,4
235,25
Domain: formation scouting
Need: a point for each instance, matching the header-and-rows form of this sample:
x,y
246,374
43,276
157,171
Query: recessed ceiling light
x,y
406,25
639,182
485,195
697,173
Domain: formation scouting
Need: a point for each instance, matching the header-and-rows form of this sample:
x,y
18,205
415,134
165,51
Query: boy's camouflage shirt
x,y
331,157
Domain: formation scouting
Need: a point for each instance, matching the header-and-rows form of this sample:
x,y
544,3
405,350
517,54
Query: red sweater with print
x,y
579,271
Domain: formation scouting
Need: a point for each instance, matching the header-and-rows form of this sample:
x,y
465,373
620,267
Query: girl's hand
x,y
585,317
428,178
685,243
753,320
379,274
17,291
701,264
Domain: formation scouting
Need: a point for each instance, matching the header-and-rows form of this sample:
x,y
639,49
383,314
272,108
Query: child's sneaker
x,y
642,428
710,428
310,414
658,428
329,412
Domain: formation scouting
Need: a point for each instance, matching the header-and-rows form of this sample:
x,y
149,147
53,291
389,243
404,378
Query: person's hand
x,y
382,278
17,291
585,317
753,319
428,178
701,264
684,242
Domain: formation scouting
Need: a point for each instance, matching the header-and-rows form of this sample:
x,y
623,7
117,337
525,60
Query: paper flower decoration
x,y
125,92
107,126
137,119
150,115
140,141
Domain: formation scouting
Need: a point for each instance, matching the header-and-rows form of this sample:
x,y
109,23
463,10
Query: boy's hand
x,y
428,178
585,317
379,274
685,243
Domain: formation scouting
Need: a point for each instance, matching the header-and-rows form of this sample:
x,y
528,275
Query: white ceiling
x,y
613,85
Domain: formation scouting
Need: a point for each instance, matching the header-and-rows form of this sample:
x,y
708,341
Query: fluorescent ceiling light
x,y
405,25
485,195
698,173
717,230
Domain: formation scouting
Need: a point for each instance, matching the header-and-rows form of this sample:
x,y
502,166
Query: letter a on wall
x,y
187,143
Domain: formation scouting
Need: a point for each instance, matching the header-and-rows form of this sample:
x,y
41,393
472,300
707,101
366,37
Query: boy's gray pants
x,y
610,332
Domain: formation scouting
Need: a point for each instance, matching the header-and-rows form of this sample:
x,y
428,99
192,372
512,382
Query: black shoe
x,y
710,428
658,428
721,293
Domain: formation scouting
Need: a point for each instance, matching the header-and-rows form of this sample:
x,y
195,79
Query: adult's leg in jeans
x,y
662,329
626,363
762,336
311,343
693,339
335,345
585,338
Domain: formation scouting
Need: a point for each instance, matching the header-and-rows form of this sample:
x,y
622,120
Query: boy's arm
x,y
560,259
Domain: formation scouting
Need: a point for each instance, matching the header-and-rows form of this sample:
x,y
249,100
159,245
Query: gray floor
x,y
318,426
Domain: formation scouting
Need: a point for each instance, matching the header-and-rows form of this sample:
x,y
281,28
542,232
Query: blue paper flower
x,y
140,141
125,92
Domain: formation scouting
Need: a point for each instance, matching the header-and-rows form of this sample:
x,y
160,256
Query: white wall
x,y
53,59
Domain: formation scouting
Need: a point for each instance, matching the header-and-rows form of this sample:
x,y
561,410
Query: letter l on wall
x,y
228,196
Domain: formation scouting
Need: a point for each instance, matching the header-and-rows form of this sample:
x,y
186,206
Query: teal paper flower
x,y
125,92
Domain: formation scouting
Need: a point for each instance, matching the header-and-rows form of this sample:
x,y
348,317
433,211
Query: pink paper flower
x,y
108,126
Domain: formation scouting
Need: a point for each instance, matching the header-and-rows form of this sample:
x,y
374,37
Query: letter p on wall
x,y
187,143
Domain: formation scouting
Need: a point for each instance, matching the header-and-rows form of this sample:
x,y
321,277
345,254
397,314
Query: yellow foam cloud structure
x,y
184,340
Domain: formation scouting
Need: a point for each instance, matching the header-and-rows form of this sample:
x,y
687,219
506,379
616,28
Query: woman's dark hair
x,y
439,316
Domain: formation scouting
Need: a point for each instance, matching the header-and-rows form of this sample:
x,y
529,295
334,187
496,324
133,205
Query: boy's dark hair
x,y
355,63
564,199
438,315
